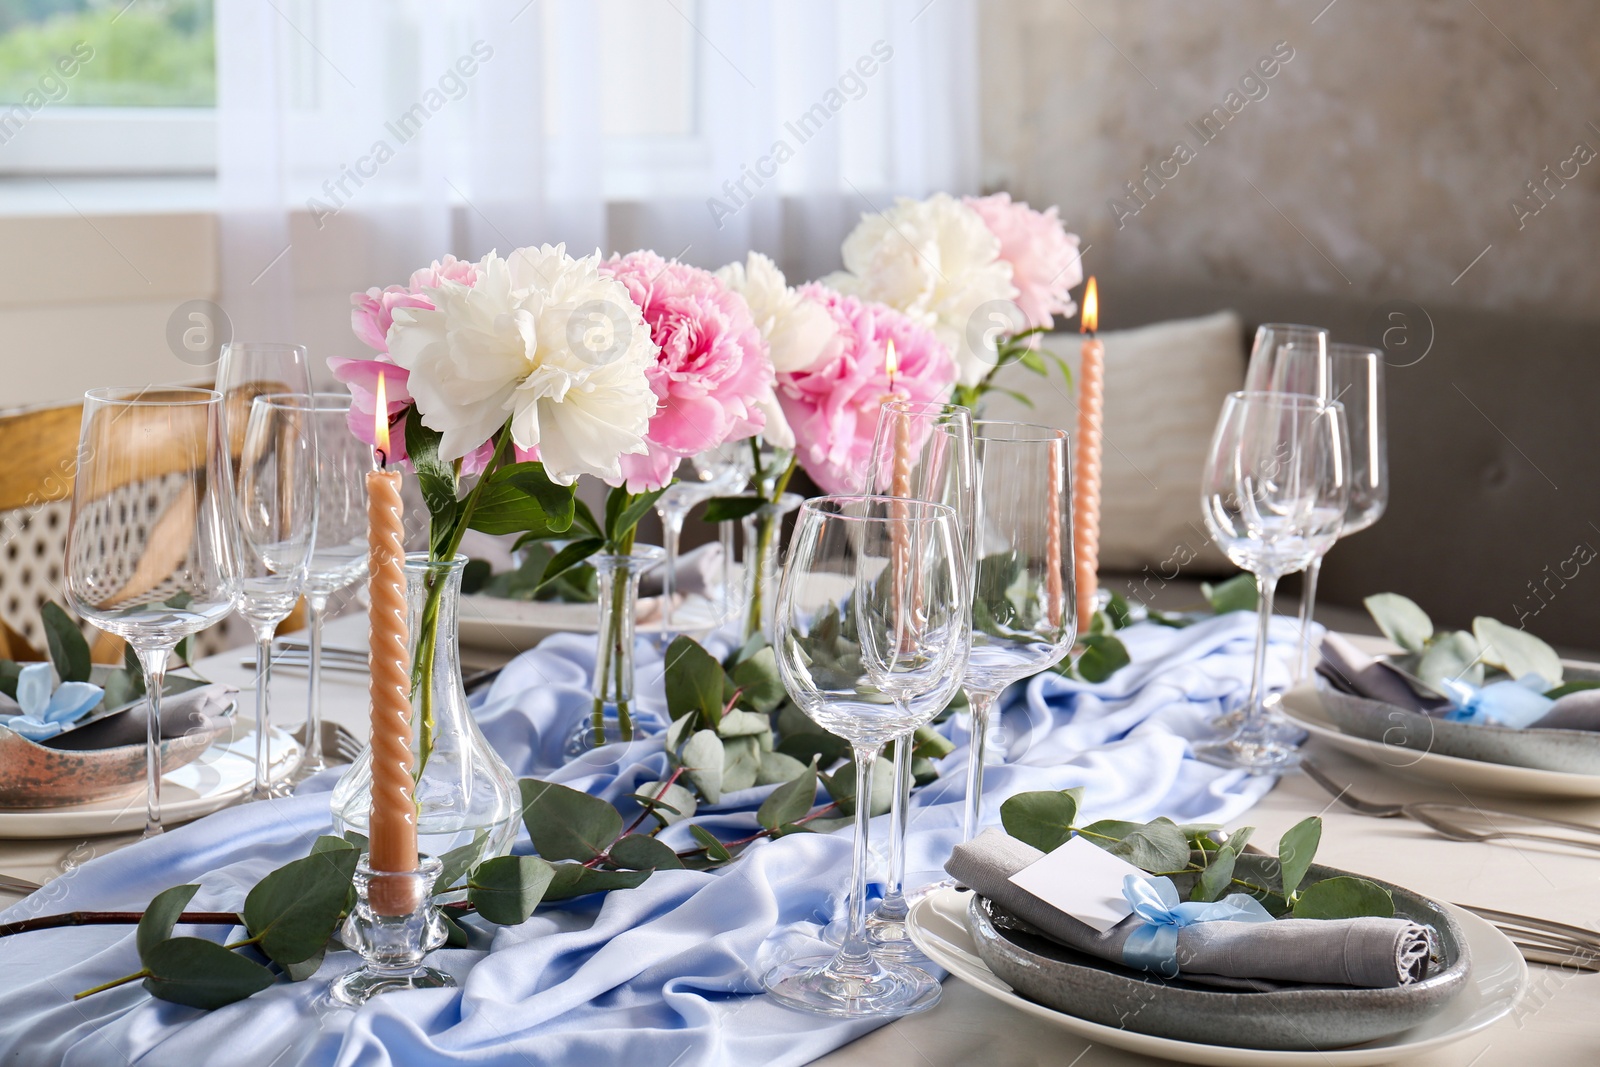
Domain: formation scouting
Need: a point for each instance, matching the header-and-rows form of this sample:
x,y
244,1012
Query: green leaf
x,y
566,824
1571,687
457,862
1517,652
928,743
776,768
1238,593
68,650
1215,880
822,748
1296,849
299,972
702,761
841,786
1344,897
741,762
758,676
569,557
576,880
556,501
1103,655
1240,838
9,670
202,974
155,926
790,801
1158,847
505,508
356,838
1119,611
435,478
738,723
1451,656
454,935
715,849
641,852
506,889
675,804
1400,619
329,843
694,681
731,508
584,519
1042,818
294,909
625,509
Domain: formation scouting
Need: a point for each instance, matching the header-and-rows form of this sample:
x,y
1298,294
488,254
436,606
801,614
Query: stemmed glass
x,y
147,548
274,531
714,472
1024,604
340,553
1274,488
921,451
1288,358
872,614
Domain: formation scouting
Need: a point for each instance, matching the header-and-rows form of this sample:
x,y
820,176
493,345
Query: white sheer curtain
x,y
360,139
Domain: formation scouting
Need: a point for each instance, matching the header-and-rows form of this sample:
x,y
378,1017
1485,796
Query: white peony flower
x,y
544,340
798,331
938,262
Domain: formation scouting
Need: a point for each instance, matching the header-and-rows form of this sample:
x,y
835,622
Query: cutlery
x,y
301,660
13,884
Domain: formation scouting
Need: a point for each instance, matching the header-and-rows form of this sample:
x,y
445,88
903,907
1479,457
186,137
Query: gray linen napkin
x,y
198,708
1353,671
1575,711
1368,952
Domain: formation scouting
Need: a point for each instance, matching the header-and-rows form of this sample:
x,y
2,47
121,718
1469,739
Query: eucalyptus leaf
x,y
10,669
702,760
737,723
1042,819
1296,849
575,880
1344,897
1451,657
841,786
715,849
673,805
160,916
202,974
1517,652
455,935
454,865
827,749
1215,881
1401,620
641,852
929,743
741,763
777,768
1102,656
1238,593
1158,847
68,649
757,675
694,682
293,910
506,889
790,801
566,824
299,972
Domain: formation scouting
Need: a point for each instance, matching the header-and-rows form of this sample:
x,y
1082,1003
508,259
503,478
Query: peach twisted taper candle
x,y
1087,459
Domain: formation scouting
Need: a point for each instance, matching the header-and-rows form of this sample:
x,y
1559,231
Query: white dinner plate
x,y
489,622
1304,708
938,925
223,774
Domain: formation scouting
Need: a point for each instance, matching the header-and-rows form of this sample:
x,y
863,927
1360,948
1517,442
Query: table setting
x,y
902,767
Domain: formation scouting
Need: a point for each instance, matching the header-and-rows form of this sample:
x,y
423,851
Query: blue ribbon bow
x,y
1154,946
1516,704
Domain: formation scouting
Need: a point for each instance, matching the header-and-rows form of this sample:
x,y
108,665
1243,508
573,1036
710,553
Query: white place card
x,y
1083,880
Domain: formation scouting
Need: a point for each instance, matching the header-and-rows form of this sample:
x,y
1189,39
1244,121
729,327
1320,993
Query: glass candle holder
x,y
393,926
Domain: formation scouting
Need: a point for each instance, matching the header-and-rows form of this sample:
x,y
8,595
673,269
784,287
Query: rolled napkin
x,y
1575,711
1353,671
1369,952
199,708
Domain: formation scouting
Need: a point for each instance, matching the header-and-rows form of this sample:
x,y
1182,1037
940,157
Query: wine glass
x,y
339,556
147,547
274,531
872,614
1288,358
1274,488
921,451
714,472
1024,604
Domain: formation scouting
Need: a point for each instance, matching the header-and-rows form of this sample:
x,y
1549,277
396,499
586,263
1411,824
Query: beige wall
x,y
1383,155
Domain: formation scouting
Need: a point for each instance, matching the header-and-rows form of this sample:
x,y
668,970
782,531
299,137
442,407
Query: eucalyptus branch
x,y
114,918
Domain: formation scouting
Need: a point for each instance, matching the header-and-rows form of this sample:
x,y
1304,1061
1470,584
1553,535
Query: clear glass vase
x,y
464,790
763,529
612,715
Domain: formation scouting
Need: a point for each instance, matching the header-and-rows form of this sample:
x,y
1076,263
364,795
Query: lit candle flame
x,y
380,426
1091,308
891,362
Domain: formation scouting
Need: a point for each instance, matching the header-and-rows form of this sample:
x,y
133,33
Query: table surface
x,y
1554,1025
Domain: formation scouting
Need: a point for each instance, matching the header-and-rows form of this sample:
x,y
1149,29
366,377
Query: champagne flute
x,y
1274,487
340,553
274,530
921,451
1024,604
147,547
857,645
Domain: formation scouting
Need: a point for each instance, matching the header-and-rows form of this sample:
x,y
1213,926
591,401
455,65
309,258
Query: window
x,y
107,86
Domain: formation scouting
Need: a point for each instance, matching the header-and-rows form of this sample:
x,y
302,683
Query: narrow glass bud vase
x,y
465,792
763,529
393,926
612,715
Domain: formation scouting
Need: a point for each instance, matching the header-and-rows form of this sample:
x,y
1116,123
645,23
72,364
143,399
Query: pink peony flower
x,y
374,309
713,371
833,405
1044,259
360,376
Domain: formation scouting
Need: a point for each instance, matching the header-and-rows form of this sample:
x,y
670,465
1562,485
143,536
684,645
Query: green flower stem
x,y
619,605
766,527
124,980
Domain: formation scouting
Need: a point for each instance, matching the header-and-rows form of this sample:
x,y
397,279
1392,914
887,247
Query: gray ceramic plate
x,y
1569,751
1287,1019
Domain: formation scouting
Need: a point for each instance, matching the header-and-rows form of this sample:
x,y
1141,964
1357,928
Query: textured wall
x,y
1379,161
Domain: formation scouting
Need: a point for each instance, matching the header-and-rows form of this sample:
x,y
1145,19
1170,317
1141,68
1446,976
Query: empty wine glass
x,y
1288,358
714,472
1274,489
1024,603
147,548
274,528
921,451
872,614
340,554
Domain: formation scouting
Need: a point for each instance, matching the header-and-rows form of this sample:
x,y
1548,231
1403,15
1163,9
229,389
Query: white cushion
x,y
1164,387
